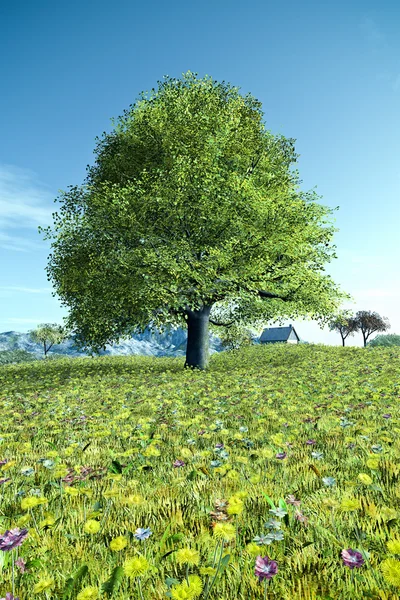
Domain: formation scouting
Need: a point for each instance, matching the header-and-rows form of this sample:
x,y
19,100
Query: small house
x,y
279,334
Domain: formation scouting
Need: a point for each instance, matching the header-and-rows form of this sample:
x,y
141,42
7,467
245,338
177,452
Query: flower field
x,y
273,474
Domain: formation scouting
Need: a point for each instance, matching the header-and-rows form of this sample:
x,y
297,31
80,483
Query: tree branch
x,y
221,324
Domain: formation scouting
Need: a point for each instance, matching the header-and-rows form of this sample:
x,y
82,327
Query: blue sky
x,y
327,75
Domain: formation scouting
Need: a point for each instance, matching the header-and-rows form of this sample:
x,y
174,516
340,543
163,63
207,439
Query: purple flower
x,y
21,564
292,500
179,463
12,538
387,416
281,455
310,442
352,558
219,445
4,480
265,568
3,462
201,432
9,596
142,534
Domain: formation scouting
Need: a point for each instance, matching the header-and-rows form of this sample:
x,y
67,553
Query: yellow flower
x,y
71,491
394,546
253,549
391,571
365,479
242,459
266,453
60,471
152,451
133,500
277,439
179,593
30,502
118,543
136,567
48,521
88,593
225,531
372,463
242,495
233,475
235,506
185,453
187,556
91,526
8,465
255,479
349,504
43,584
183,590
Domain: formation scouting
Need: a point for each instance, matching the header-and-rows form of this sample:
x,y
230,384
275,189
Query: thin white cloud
x,y
25,203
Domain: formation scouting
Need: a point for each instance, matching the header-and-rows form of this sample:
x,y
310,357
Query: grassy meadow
x,y
137,479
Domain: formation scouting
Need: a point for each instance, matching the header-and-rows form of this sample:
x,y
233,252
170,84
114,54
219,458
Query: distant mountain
x,y
170,343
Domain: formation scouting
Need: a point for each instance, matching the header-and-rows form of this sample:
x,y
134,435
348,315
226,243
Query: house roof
x,y
277,334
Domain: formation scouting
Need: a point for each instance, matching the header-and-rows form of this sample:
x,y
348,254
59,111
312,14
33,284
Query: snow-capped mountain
x,y
172,342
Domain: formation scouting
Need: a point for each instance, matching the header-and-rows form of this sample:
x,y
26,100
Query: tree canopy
x,y
190,215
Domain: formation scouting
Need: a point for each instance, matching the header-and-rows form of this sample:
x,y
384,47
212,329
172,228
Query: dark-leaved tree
x,y
369,322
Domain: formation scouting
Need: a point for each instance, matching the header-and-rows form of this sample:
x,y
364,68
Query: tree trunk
x,y
342,341
197,341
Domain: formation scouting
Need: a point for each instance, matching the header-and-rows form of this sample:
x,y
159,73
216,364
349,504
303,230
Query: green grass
x,y
129,419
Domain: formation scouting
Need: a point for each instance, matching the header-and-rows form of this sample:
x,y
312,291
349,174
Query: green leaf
x,y
34,563
164,537
69,587
282,504
113,583
168,553
115,467
73,582
174,538
270,502
170,581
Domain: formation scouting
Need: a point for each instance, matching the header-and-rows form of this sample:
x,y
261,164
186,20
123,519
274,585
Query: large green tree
x,y
190,215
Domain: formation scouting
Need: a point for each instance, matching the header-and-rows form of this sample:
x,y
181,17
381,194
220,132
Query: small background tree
x,y
369,322
385,340
345,324
48,334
